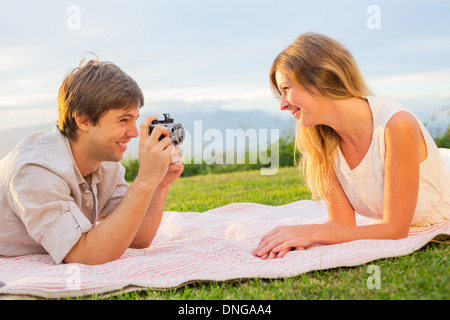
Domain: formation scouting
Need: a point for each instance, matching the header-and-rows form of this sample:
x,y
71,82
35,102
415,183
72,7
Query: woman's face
x,y
305,108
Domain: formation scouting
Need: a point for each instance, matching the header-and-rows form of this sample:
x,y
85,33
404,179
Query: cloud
x,y
413,85
213,54
26,117
421,46
19,57
214,93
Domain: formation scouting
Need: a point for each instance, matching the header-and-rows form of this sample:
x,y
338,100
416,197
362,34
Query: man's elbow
x,y
142,241
88,259
72,257
141,245
83,254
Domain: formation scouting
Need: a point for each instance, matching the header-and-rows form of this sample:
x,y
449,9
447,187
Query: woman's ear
x,y
83,122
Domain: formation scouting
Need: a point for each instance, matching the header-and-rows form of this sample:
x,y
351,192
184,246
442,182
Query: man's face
x,y
108,139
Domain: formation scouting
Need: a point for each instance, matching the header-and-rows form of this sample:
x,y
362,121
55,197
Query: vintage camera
x,y
176,130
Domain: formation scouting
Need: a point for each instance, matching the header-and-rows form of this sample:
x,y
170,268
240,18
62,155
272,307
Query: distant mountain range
x,y
218,119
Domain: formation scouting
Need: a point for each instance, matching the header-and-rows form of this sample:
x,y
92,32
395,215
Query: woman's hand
x,y
283,239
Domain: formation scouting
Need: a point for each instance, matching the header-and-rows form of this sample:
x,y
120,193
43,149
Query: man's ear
x,y
83,122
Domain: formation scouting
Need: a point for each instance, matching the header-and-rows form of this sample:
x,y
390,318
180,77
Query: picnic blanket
x,y
215,245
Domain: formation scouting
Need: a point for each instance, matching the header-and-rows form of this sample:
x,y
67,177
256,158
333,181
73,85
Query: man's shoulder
x,y
44,149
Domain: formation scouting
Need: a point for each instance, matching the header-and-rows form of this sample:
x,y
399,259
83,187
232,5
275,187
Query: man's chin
x,y
115,158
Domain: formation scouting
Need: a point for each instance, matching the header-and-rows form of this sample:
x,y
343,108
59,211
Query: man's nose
x,y
133,132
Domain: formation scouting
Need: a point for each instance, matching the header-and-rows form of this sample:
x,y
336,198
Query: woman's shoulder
x,y
383,109
399,126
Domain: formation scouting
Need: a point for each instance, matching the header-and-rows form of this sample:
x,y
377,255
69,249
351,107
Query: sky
x,y
201,55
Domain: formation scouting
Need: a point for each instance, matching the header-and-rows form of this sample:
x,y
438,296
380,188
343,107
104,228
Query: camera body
x,y
176,130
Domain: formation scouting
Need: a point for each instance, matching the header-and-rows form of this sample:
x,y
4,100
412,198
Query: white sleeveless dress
x,y
364,185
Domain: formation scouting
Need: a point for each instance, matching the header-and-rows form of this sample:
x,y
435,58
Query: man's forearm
x,y
152,219
109,240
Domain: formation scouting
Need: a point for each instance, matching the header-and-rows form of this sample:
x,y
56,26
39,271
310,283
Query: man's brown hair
x,y
93,89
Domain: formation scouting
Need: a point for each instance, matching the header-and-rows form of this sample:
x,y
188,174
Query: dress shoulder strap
x,y
383,109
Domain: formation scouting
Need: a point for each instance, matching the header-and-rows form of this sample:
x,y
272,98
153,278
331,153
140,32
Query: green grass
x,y
201,193
424,274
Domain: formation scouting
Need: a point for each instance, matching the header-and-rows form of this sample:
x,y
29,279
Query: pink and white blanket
x,y
215,245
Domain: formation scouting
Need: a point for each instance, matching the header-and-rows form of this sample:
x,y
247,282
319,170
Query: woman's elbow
x,y
399,235
398,232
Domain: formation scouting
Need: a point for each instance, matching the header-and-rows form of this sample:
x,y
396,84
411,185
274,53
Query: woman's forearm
x,y
332,234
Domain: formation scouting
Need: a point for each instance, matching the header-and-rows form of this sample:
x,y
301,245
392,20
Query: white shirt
x,y
364,185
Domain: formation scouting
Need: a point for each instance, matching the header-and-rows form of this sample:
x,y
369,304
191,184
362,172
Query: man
x,y
56,187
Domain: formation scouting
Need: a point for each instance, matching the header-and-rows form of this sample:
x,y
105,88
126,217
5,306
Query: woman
x,y
359,152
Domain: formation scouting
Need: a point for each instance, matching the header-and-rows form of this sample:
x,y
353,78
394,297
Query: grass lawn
x,y
424,274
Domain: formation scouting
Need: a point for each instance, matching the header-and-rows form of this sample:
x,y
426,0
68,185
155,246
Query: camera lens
x,y
178,134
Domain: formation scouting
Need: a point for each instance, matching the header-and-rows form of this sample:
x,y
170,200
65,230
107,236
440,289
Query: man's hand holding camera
x,y
160,159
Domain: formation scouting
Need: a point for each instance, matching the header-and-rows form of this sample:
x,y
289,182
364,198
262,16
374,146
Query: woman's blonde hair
x,y
323,67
